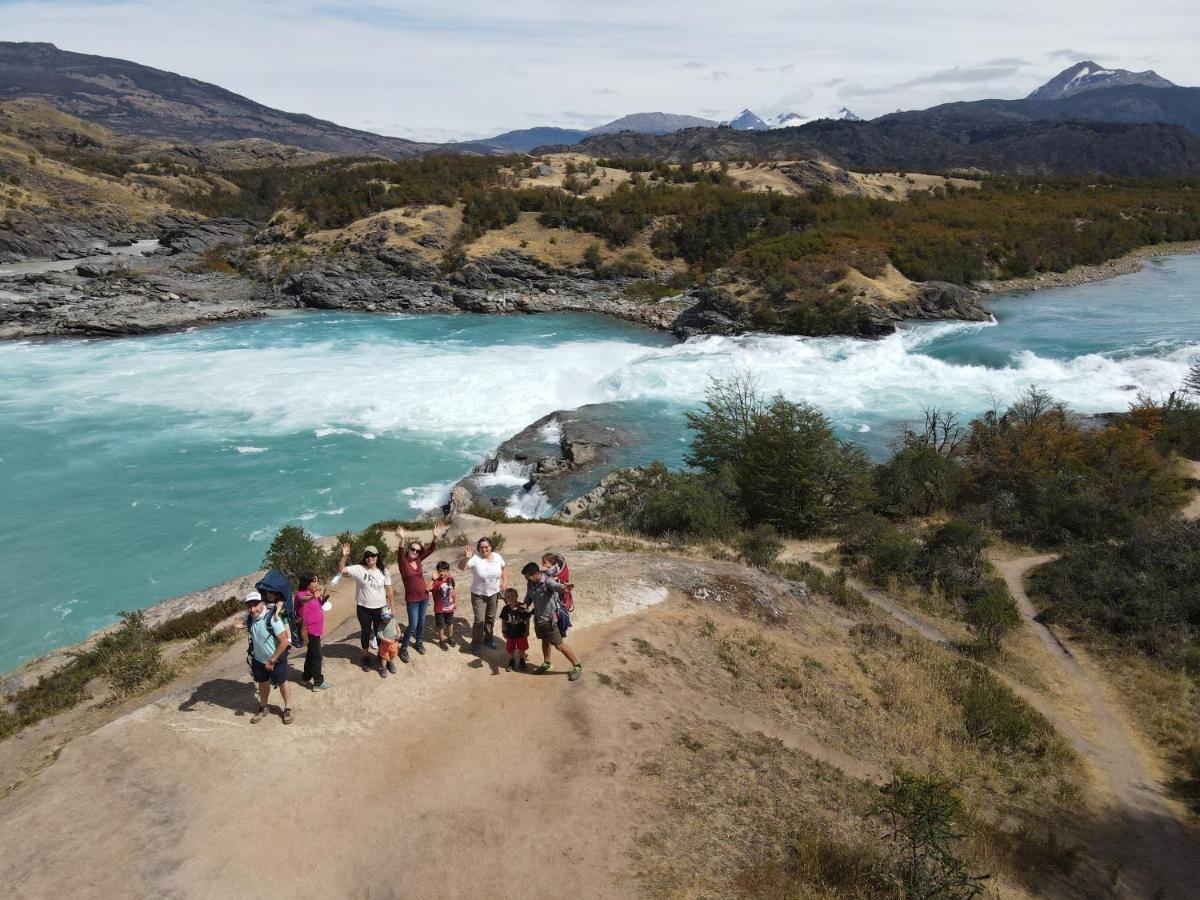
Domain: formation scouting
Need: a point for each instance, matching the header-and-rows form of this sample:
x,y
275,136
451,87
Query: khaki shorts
x,y
548,632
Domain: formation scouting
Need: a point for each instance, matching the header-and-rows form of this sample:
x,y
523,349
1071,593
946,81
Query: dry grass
x,y
1165,704
779,735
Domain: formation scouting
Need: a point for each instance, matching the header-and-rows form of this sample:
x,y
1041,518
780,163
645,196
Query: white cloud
x,y
473,67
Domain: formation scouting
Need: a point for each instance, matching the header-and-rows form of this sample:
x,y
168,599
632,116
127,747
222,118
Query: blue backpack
x,y
563,619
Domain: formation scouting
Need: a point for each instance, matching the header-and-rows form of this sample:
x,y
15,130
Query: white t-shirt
x,y
485,574
369,586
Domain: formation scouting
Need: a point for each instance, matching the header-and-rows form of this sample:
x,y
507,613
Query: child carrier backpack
x,y
297,642
562,618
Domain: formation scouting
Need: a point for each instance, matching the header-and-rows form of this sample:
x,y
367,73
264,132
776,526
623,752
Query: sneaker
x,y
575,673
258,716
382,672
287,715
522,665
323,686
511,665
491,642
403,654
445,645
419,647
391,667
543,668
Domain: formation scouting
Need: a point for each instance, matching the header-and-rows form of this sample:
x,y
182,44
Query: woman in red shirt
x,y
416,593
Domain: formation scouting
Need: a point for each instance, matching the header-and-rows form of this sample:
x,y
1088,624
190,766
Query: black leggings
x,y
312,661
369,620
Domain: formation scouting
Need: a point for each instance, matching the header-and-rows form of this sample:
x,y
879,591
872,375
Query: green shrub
x,y
372,535
995,717
1143,592
991,612
195,623
130,657
921,813
882,551
497,540
952,558
784,464
917,481
759,547
293,552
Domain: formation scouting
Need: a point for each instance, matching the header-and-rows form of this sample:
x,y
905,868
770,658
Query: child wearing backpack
x,y
444,605
310,615
514,622
542,593
389,640
555,565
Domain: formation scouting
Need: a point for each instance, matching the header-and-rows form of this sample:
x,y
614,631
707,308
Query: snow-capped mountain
x,y
747,121
1089,76
792,119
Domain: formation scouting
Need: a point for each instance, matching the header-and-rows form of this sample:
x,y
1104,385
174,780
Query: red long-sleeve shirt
x,y
412,573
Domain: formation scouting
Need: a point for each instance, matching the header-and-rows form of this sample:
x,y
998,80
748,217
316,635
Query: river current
x,y
140,468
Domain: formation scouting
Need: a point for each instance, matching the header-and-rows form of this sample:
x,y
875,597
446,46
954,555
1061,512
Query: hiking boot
x,y
575,673
391,667
511,665
382,672
491,642
522,665
445,645
323,686
287,715
404,654
258,716
543,668
419,647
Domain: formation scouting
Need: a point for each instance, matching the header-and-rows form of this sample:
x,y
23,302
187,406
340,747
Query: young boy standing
x,y
514,621
442,589
389,642
542,593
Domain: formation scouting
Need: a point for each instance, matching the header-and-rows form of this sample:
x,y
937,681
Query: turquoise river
x,y
140,468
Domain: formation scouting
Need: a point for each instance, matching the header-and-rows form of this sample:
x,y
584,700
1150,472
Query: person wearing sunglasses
x,y
416,591
372,592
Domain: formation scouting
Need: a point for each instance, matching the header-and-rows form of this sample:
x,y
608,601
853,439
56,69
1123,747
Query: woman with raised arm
x,y
416,592
372,592
488,580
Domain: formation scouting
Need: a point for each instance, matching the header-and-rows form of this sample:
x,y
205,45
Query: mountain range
x,y
1087,119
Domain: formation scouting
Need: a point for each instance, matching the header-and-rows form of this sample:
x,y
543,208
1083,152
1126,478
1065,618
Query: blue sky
x,y
468,68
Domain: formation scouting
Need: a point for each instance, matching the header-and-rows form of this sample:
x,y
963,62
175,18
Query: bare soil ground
x,y
722,713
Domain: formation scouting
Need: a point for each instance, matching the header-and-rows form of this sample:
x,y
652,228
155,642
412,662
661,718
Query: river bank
x,y
1124,265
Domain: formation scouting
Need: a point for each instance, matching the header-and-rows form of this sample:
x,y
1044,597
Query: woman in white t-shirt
x,y
372,594
488,581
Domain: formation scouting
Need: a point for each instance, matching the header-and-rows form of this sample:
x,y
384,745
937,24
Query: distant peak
x,y
1088,75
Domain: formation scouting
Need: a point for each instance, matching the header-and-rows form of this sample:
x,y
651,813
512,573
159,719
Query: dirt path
x,y
1154,849
1192,510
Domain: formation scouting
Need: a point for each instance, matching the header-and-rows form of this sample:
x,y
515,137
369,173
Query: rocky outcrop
x,y
614,486
713,312
182,234
98,301
559,456
931,300
40,233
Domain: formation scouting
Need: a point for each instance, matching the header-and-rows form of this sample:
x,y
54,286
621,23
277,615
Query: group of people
x,y
273,615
